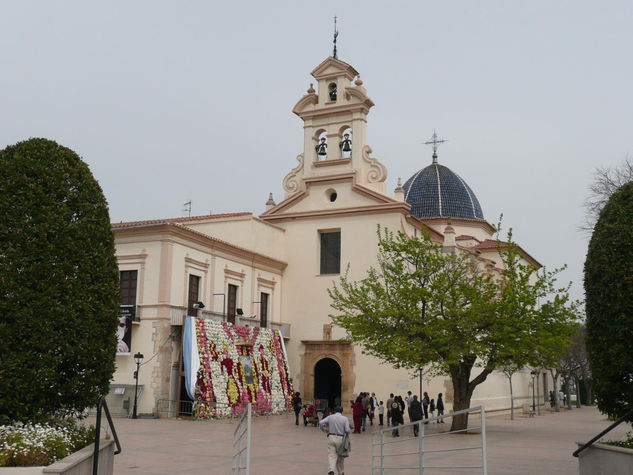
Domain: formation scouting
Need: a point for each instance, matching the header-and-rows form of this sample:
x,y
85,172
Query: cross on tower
x,y
435,142
335,35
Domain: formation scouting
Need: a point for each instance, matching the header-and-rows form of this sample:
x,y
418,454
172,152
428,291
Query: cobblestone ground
x,y
539,445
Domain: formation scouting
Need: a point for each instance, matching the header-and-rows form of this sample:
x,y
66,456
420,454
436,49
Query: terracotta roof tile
x,y
183,220
494,244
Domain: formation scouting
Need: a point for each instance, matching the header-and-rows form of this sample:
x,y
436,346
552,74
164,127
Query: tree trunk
x,y
568,392
577,383
555,375
511,397
589,395
463,390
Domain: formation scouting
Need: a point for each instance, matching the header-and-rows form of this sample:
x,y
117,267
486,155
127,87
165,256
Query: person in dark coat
x,y
296,403
425,405
396,415
415,413
440,409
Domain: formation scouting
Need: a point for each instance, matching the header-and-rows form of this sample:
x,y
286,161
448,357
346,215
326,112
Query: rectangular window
x,y
128,287
330,252
263,310
194,295
231,307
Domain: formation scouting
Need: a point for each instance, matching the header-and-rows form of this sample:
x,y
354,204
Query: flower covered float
x,y
229,365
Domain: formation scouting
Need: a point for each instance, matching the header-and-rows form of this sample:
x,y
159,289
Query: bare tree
x,y
606,181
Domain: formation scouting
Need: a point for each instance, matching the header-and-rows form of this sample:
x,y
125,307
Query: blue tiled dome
x,y
435,191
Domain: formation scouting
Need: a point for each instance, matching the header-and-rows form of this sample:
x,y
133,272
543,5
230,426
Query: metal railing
x,y
242,444
95,458
418,456
601,434
171,408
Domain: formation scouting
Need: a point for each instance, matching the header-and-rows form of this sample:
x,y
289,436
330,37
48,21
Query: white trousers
x,y
335,462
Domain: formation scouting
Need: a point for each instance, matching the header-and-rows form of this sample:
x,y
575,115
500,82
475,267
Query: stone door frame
x,y
340,351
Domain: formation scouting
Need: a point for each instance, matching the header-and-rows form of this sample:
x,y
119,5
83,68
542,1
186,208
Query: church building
x,y
272,270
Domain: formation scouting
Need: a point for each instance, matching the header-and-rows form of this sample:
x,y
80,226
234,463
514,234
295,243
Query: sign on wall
x,y
124,330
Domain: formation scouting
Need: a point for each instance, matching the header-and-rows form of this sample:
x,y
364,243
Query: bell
x,y
346,144
322,152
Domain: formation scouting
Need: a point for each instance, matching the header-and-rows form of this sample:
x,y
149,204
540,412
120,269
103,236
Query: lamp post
x,y
533,373
138,357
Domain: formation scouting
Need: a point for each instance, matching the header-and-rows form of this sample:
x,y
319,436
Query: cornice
x,y
485,225
371,209
335,109
332,163
161,231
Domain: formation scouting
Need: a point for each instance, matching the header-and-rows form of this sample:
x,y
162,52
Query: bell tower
x,y
335,129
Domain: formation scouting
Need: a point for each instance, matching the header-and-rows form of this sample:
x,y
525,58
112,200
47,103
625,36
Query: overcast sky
x,y
172,101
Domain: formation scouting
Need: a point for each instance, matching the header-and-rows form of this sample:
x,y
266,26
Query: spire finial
x,y
435,142
335,35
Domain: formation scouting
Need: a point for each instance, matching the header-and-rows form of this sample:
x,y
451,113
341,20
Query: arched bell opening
x,y
327,381
345,143
331,91
320,145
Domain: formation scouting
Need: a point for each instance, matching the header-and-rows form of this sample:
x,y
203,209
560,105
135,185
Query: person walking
x,y
389,403
366,407
395,417
381,413
296,405
337,426
425,406
440,409
415,413
432,408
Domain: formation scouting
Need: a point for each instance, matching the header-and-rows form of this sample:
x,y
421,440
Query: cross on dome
x,y
435,142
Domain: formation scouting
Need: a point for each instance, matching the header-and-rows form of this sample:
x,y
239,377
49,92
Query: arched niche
x,y
345,141
320,145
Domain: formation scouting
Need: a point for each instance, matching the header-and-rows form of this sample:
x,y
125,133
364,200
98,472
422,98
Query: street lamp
x,y
533,373
138,357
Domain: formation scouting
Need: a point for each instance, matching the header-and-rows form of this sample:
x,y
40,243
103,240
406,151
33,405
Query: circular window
x,y
331,195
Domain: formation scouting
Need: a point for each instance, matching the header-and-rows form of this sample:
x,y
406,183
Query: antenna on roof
x,y
187,208
335,35
435,142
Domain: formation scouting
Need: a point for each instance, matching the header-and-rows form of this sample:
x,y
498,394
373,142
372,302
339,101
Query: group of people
x,y
417,410
364,408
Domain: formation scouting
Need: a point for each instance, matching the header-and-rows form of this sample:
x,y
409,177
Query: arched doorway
x,y
327,381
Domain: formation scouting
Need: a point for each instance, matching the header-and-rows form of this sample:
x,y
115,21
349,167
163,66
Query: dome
x,y
435,191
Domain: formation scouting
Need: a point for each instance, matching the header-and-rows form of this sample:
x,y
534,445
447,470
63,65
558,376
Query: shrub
x,y
609,302
27,445
58,283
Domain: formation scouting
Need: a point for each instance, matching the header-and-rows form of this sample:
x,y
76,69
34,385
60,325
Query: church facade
x,y
273,270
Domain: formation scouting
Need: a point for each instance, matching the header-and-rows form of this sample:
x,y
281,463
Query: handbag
x,y
346,446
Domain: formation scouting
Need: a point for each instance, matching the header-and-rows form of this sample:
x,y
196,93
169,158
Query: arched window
x,y
345,145
321,146
332,91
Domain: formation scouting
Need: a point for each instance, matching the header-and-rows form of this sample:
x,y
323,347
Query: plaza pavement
x,y
539,445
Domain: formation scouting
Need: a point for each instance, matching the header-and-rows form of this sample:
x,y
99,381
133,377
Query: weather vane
x,y
335,35
435,142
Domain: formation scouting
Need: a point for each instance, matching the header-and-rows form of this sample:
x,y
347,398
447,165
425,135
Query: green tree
x,y
58,283
609,302
445,310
